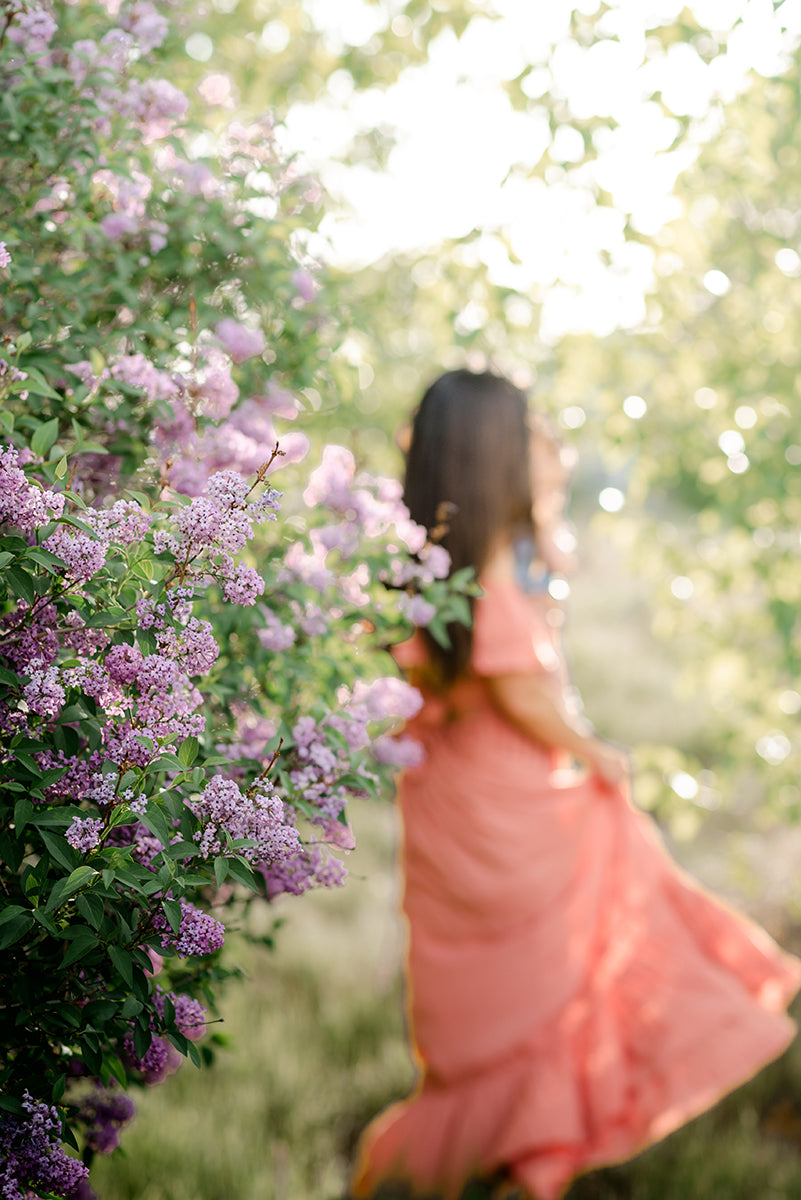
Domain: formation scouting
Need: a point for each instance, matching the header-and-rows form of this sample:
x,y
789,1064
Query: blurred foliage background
x,y
684,402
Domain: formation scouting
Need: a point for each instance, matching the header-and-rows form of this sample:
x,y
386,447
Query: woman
x,y
572,995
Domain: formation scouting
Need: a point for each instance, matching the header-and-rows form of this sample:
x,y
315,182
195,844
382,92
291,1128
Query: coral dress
x,y
573,996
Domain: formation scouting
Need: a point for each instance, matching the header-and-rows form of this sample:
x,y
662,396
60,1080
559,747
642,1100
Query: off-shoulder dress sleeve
x,y
509,636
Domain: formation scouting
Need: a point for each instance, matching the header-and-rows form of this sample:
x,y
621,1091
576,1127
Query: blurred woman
x,y
572,995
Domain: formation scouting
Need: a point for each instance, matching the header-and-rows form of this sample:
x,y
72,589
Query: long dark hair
x,y
467,469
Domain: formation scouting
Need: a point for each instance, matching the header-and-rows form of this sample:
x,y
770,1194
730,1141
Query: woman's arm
x,y
532,703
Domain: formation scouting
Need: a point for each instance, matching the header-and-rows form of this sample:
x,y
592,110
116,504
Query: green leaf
x,y
123,962
220,870
67,887
111,616
21,583
156,822
23,812
51,562
188,751
242,872
142,1038
131,1008
100,1012
91,908
14,924
84,941
61,467
112,1070
60,850
44,437
172,911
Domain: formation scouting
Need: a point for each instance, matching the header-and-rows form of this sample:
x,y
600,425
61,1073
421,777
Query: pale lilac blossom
x,y
244,586
44,694
275,635
418,610
238,340
257,814
5,257
392,751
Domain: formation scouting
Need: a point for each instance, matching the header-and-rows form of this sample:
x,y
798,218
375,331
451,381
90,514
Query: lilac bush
x,y
193,673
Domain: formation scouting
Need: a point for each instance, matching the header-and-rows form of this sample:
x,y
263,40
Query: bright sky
x,y
462,150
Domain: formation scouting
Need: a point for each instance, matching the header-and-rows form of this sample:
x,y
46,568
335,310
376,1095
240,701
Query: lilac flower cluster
x,y
104,1113
43,694
312,866
32,1162
243,442
32,30
5,257
199,933
238,340
84,834
82,555
258,814
22,504
275,635
371,507
190,1015
159,1060
224,517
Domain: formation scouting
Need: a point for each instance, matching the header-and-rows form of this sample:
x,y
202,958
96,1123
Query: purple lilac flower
x,y
331,483
244,586
312,619
83,556
148,27
386,697
118,225
154,104
305,567
238,340
308,868
257,814
160,1059
94,680
418,610
190,1015
32,30
398,751
137,371
343,537
305,286
5,257
199,933
215,385
21,503
104,1113
193,647
34,635
84,834
78,777
123,663
275,636
31,1159
44,694
437,559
